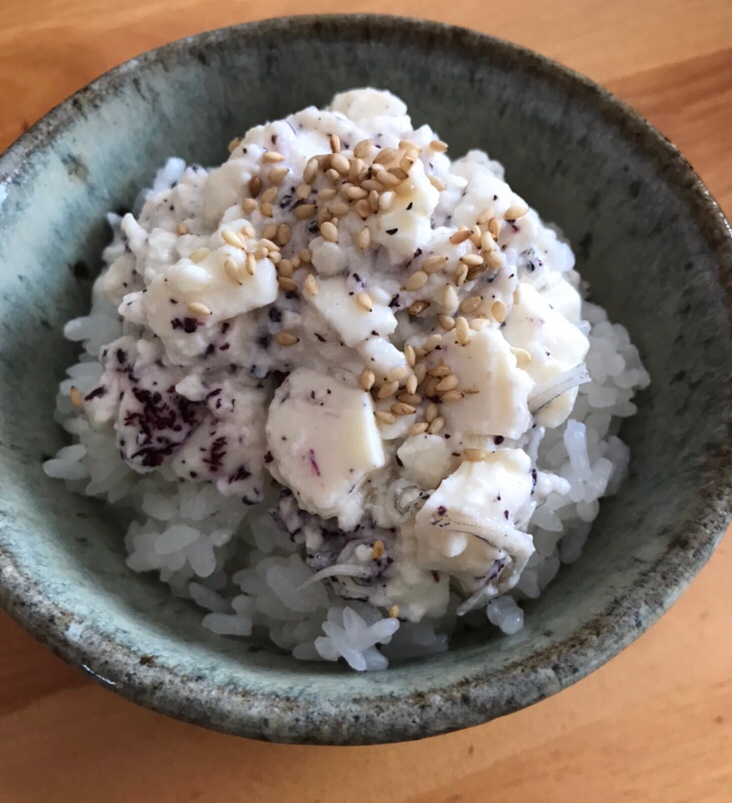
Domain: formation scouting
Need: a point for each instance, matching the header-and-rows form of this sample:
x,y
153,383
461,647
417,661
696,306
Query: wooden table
x,y
653,725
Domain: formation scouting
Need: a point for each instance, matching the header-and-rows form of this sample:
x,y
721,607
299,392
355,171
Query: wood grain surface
x,y
653,725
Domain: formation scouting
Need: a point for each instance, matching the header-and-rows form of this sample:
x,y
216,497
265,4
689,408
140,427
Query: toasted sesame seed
x,y
372,184
417,307
356,193
374,201
450,382
275,257
402,408
200,254
470,304
453,396
420,369
199,309
248,230
302,193
418,279
461,274
329,231
409,355
474,455
327,194
76,398
460,236
418,428
406,163
233,270
405,190
487,243
411,385
332,175
494,227
396,373
305,256
272,156
269,195
270,231
248,205
278,174
436,425
286,283
479,323
182,228
388,389
385,156
335,143
324,161
462,330
494,259
339,163
437,183
430,412
265,209
449,299
409,398
434,263
283,234
377,550
363,240
399,173
261,253
473,273
515,212
303,212
475,235
389,180
432,342
364,301
363,148
367,380
393,611
234,144
363,210
268,244
438,145
310,172
439,371
498,311
355,170
409,145
472,260
523,357
385,416
285,268
485,215
446,322
255,186
310,285
283,338
251,264
339,209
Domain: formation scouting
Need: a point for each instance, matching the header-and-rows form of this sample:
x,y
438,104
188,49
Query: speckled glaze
x,y
648,236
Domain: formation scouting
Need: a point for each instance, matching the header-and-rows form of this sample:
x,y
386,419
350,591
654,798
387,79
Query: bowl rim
x,y
269,716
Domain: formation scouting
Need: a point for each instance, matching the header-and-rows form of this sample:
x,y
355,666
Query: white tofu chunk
x,y
466,526
352,322
555,346
324,440
487,365
425,458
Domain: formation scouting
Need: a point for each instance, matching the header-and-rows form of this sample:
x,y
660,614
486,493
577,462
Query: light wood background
x,y
654,725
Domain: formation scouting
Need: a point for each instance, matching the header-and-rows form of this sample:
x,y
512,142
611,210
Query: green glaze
x,y
647,234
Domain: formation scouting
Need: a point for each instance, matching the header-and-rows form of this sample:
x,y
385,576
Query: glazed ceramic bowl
x,y
648,236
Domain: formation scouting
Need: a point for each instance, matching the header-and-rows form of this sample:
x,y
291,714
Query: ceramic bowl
x,y
647,234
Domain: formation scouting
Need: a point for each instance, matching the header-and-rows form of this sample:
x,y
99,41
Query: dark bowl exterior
x,y
648,236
